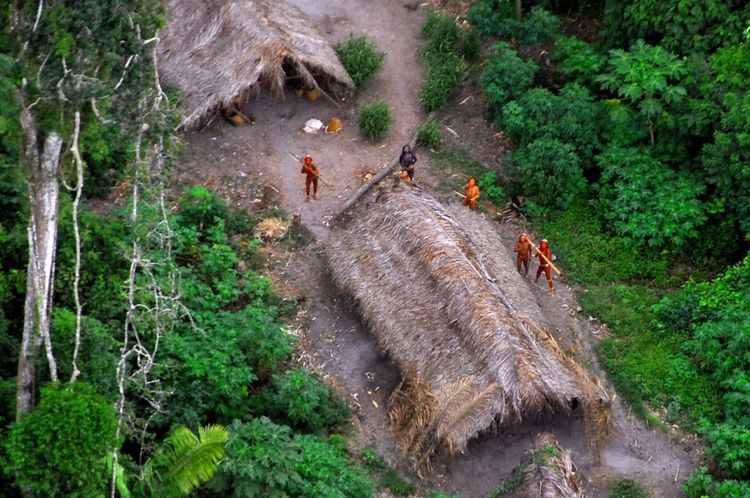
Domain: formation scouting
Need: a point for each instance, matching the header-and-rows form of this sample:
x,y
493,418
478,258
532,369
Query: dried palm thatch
x,y
216,50
430,284
549,471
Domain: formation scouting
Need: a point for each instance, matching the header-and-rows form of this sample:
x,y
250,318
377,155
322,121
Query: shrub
x,y
626,488
374,120
447,44
59,449
539,26
493,18
268,460
646,200
578,59
573,117
429,135
301,401
700,484
507,76
361,58
549,170
489,186
444,73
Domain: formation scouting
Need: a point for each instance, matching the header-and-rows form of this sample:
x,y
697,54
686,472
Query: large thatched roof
x,y
215,50
430,283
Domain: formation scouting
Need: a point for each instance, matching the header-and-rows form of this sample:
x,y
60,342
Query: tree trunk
x,y
42,232
519,10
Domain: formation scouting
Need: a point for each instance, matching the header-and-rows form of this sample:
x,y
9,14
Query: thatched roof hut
x,y
549,472
216,50
430,282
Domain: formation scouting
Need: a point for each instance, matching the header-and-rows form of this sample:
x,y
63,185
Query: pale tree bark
x,y
42,160
75,150
519,10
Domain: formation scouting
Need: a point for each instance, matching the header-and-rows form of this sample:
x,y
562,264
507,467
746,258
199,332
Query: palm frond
x,y
187,460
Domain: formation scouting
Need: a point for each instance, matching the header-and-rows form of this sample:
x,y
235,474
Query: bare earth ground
x,y
251,168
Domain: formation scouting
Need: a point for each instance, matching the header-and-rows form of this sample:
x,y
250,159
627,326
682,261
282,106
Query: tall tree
x,y
87,62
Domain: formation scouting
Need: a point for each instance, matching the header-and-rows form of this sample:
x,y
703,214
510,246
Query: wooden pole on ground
x,y
544,257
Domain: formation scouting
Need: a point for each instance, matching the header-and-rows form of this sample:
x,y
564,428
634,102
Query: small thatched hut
x,y
549,472
214,51
429,282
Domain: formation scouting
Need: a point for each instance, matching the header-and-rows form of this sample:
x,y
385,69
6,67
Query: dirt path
x,y
252,167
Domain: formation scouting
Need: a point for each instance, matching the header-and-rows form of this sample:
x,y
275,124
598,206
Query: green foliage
x,y
549,170
59,449
428,135
726,159
498,18
200,208
185,461
646,201
361,58
648,78
646,366
507,76
490,188
493,18
444,59
268,460
440,494
372,460
300,400
579,61
626,488
374,120
591,255
685,27
713,318
387,478
700,484
97,357
454,166
572,117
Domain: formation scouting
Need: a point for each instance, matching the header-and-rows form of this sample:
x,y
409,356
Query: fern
x,y
186,461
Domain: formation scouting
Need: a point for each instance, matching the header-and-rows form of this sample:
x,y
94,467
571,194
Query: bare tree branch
x,y
77,233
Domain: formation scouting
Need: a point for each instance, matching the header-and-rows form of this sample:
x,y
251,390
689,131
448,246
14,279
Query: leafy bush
x,y
444,73
361,58
648,78
573,117
647,201
59,449
447,44
493,18
626,488
498,18
578,59
200,208
374,120
489,186
700,484
268,460
539,26
549,170
507,76
301,401
429,135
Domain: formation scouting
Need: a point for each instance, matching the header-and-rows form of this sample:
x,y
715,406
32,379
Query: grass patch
x,y
361,58
644,364
448,47
374,120
453,167
386,477
429,135
627,488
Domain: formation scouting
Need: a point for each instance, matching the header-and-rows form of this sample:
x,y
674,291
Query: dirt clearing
x,y
254,168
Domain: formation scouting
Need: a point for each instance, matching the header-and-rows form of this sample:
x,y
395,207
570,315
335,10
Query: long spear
x,y
314,173
541,254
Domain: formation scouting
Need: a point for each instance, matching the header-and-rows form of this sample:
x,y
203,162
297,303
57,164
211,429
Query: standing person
x,y
471,191
407,159
523,256
544,266
313,173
